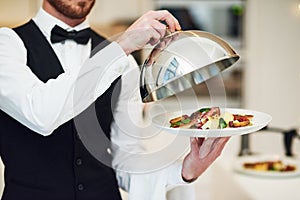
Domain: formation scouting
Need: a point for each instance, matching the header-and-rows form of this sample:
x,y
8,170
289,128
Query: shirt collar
x,y
46,22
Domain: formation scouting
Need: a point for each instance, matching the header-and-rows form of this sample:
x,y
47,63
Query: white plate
x,y
238,167
259,121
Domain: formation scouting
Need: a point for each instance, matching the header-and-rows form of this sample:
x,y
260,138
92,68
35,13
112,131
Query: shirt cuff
x,y
174,176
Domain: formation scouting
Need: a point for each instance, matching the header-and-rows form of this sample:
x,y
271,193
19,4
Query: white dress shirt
x,y
33,103
138,172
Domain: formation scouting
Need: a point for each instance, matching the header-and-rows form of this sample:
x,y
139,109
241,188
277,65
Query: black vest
x,y
56,167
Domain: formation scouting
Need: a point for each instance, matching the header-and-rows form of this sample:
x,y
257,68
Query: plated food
x,y
211,118
257,119
270,166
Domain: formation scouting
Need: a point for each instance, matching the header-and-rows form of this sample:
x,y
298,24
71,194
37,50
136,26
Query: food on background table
x,y
211,118
265,166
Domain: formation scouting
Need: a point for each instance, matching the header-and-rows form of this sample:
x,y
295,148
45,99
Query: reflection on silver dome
x,y
182,60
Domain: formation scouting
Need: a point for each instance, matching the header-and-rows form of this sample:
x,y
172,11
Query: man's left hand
x,y
202,154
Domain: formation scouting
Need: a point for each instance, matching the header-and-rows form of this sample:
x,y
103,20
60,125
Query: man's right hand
x,y
148,29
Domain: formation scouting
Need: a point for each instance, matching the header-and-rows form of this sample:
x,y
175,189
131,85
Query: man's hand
x,y
148,29
202,154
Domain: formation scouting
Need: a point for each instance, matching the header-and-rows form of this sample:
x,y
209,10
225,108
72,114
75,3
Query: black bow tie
x,y
59,34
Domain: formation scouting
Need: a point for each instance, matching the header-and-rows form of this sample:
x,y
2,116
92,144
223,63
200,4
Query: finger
x,y
164,15
217,141
223,142
206,147
219,146
159,27
212,146
194,145
154,37
220,142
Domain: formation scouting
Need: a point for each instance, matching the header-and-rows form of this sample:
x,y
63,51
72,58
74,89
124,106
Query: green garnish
x,y
204,110
222,123
177,123
186,121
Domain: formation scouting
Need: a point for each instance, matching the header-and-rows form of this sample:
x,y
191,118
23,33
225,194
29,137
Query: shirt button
x,y
78,161
108,151
80,187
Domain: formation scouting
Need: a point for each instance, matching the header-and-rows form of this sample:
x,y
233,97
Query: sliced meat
x,y
213,112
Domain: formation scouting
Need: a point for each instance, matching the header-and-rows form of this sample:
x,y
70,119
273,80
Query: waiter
x,y
41,63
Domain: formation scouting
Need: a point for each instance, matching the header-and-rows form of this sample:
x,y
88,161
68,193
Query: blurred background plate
x,y
239,168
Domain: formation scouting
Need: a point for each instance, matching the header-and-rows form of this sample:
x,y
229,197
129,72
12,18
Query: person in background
x,y
43,63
